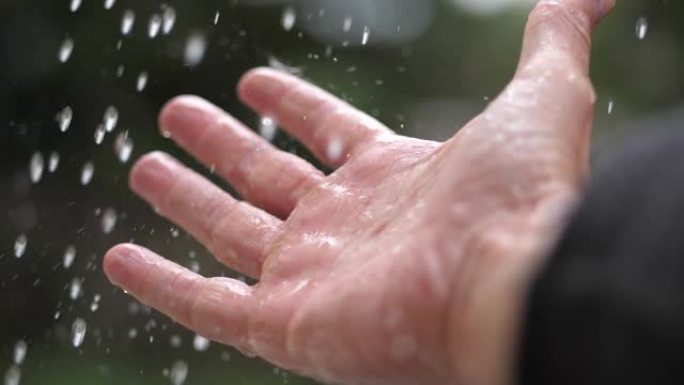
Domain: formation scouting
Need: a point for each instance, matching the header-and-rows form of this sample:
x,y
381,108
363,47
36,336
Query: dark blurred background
x,y
423,67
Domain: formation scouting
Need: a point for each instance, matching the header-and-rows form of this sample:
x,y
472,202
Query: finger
x,y
269,178
558,32
216,308
235,232
551,97
329,127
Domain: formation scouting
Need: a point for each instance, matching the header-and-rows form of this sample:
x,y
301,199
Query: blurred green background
x,y
427,67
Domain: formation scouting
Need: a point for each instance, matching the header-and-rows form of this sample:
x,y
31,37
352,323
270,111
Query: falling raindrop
x,y
175,341
20,245
78,331
142,81
66,49
366,35
100,133
75,288
611,106
200,343
20,352
641,28
268,128
53,162
108,4
154,26
123,146
120,70
75,5
110,118
168,19
195,48
36,166
346,26
12,375
109,219
64,118
179,372
87,173
217,16
69,257
96,303
127,22
289,18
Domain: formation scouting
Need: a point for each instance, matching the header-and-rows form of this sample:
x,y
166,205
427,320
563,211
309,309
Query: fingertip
x,y
606,7
123,263
152,172
185,112
261,87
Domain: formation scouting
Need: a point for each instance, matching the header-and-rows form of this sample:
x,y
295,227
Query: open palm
x,y
403,266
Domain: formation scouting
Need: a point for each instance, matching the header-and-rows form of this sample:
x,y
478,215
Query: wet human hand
x,y
408,263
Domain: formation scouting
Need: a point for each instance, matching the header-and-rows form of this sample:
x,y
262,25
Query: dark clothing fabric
x,y
608,308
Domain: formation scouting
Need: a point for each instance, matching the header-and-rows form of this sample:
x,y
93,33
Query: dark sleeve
x,y
608,308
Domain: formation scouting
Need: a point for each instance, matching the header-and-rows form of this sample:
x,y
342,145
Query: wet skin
x,y
408,264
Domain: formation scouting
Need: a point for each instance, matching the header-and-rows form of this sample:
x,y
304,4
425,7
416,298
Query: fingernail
x,y
123,263
262,88
153,176
184,116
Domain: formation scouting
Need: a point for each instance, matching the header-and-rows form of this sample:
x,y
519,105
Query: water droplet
x,y
13,375
109,218
346,26
366,36
127,22
66,50
108,4
200,343
36,166
179,372
87,173
194,266
100,133
53,162
20,245
64,118
268,128
75,288
641,28
611,106
78,332
334,149
75,5
175,341
195,48
289,18
20,352
142,81
154,26
217,16
169,19
123,146
120,70
69,257
95,304
110,118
